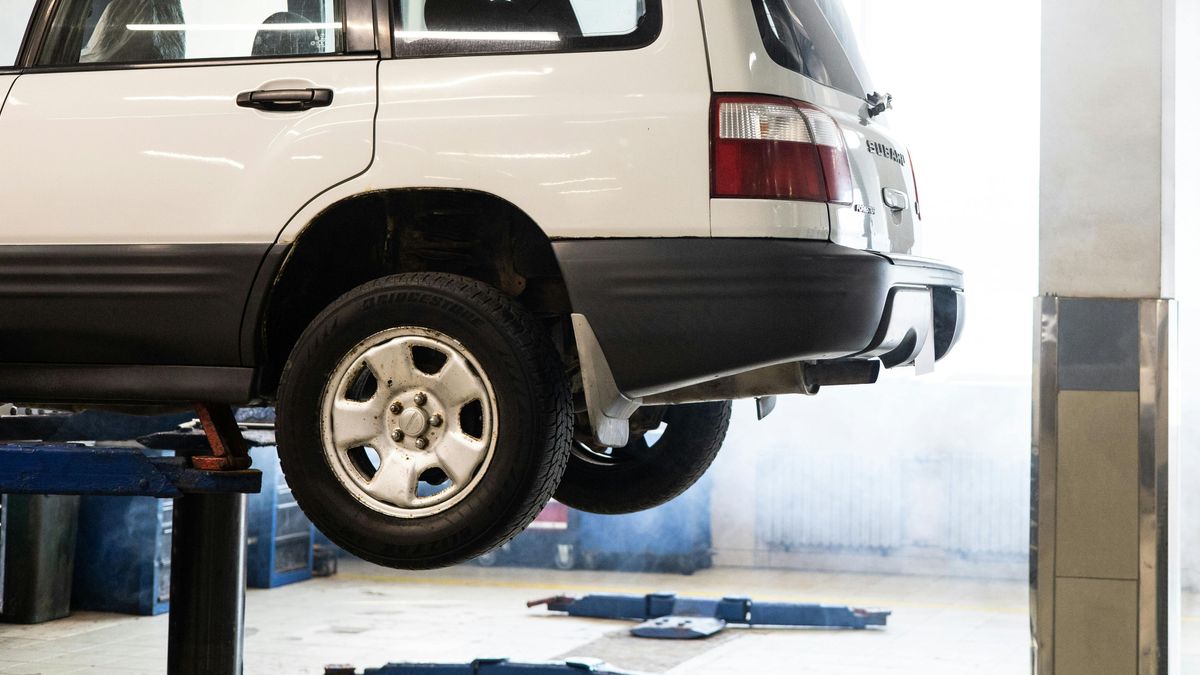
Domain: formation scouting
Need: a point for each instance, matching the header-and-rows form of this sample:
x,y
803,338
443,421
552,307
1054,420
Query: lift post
x,y
208,553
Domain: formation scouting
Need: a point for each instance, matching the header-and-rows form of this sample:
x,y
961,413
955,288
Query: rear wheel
x,y
424,419
669,451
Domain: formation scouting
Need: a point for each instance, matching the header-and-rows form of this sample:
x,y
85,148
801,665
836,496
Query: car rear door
x,y
152,150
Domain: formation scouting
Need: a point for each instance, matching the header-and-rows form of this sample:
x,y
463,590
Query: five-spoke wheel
x,y
410,422
424,419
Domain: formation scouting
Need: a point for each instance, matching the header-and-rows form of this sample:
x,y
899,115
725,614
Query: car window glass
x,y
843,30
483,26
814,38
14,19
146,31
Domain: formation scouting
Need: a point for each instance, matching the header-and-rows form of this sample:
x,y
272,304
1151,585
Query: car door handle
x,y
286,100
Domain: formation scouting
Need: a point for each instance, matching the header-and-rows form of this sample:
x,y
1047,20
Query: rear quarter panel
x,y
590,144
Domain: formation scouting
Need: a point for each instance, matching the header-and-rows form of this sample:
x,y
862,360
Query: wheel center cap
x,y
413,422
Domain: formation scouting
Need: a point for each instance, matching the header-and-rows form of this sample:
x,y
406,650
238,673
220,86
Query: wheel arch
x,y
377,233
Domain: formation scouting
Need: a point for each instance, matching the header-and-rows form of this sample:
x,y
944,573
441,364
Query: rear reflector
x,y
775,148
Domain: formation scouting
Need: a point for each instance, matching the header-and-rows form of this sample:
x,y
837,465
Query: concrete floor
x,y
368,615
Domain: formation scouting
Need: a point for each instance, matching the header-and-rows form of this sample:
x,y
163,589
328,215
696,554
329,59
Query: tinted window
x,y
14,18
447,27
814,38
141,31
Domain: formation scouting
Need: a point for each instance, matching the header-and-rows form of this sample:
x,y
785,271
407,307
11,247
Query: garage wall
x,y
907,477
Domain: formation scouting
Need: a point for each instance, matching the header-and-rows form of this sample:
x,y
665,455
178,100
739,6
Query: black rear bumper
x,y
669,313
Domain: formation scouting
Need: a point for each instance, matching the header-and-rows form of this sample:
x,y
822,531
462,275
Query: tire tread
x,y
548,383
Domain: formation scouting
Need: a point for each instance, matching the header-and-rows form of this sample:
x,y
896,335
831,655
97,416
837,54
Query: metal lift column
x,y
208,582
208,561
208,566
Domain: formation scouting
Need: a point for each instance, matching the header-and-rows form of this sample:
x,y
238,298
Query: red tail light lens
x,y
775,148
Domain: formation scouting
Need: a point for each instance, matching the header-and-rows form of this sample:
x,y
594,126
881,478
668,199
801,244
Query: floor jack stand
x,y
208,565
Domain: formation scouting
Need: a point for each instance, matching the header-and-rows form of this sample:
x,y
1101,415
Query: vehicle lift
x,y
578,666
665,616
209,479
208,551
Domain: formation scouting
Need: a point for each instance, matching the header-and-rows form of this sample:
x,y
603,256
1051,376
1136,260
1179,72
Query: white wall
x,y
1187,284
966,79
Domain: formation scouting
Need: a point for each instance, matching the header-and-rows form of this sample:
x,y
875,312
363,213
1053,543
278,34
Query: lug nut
x,y
435,421
397,435
396,408
422,443
420,399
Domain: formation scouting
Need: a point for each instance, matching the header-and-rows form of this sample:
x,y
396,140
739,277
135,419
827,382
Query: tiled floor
x,y
368,616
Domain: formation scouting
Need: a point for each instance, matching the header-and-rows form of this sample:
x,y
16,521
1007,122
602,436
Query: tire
x,y
453,450
642,475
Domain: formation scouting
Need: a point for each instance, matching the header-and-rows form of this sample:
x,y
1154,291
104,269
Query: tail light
x,y
776,148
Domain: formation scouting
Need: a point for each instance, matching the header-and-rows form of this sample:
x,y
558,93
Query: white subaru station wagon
x,y
479,253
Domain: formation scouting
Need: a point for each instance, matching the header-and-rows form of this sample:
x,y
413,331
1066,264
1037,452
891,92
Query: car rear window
x,y
816,39
456,27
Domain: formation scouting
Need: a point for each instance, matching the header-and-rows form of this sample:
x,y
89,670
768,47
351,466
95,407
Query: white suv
x,y
479,252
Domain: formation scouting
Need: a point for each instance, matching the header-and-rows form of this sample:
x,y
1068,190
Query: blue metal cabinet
x,y
280,543
675,537
123,555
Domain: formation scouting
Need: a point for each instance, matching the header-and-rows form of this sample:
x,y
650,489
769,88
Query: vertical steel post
x,y
208,585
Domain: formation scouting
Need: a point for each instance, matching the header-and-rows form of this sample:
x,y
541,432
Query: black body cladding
x,y
146,304
673,312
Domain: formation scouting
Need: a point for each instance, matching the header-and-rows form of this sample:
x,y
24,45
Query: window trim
x,y
358,34
644,36
35,33
383,28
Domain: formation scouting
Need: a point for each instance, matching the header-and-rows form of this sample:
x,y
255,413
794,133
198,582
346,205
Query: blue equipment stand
x,y
666,616
485,667
208,572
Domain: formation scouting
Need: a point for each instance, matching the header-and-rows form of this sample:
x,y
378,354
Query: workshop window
x,y
147,31
14,19
456,27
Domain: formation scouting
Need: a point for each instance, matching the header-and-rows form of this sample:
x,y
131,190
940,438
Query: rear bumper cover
x,y
670,313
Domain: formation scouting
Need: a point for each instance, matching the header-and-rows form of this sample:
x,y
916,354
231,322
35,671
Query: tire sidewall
x,y
461,531
659,473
